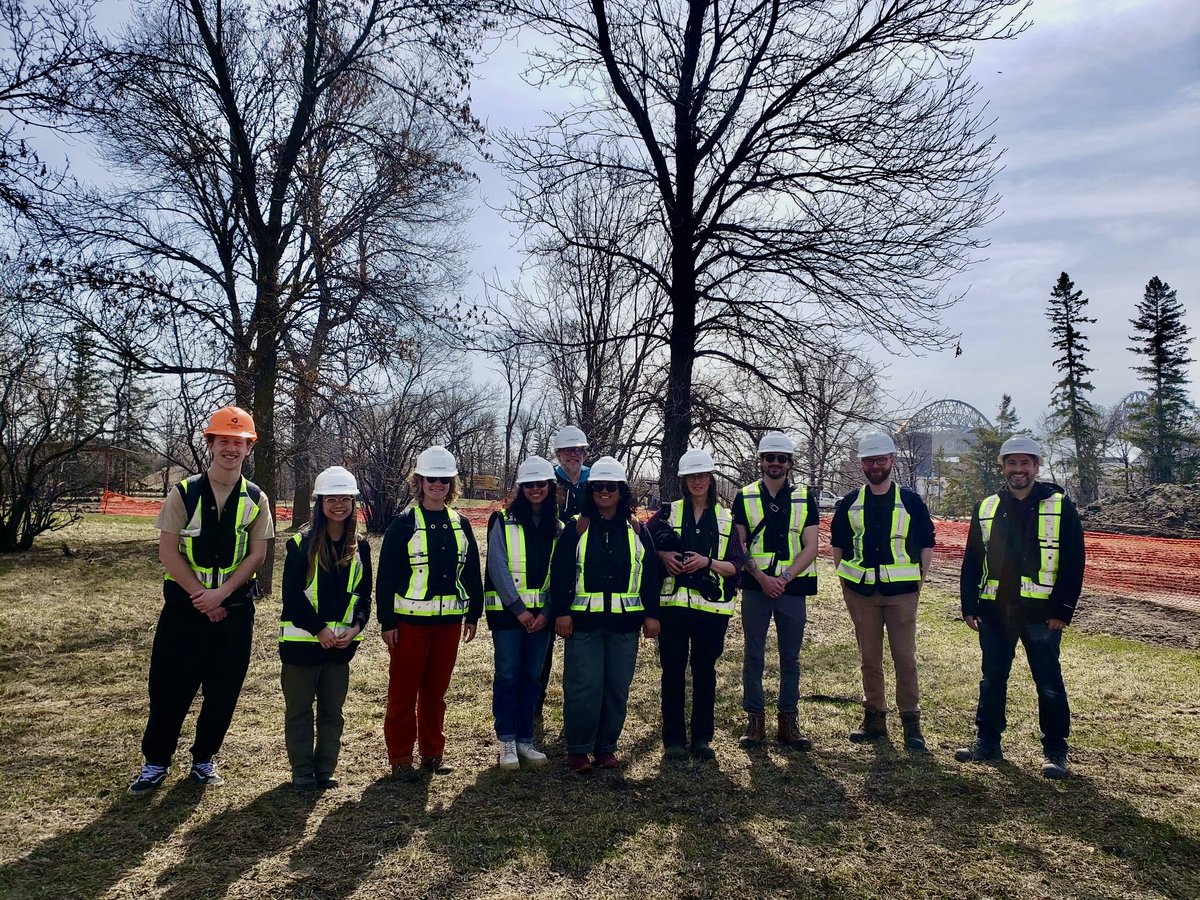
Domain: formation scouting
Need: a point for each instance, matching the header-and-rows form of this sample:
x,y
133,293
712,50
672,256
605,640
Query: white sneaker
x,y
508,755
531,754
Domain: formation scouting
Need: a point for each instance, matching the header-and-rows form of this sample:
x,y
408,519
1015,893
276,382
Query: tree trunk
x,y
677,408
266,377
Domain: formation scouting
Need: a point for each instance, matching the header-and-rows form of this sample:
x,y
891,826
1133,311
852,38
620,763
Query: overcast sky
x,y
1098,105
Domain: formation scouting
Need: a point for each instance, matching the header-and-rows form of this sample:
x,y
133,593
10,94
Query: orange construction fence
x,y
1127,565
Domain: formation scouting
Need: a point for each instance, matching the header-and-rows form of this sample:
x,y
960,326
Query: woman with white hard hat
x,y
517,594
326,604
604,588
702,553
429,592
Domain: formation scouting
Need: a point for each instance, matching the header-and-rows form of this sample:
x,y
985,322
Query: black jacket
x,y
1013,551
331,603
606,568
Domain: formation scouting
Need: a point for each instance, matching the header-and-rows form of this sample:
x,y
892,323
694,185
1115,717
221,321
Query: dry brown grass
x,y
845,820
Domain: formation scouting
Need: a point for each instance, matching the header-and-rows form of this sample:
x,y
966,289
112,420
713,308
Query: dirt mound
x,y
1164,510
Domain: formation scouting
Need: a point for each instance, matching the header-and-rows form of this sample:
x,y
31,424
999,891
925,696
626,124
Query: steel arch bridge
x,y
945,425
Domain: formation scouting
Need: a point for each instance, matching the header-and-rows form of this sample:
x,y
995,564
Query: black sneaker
x,y
148,779
326,782
978,752
1055,766
205,773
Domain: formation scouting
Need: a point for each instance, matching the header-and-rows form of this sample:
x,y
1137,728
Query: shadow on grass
x,y
89,861
355,836
228,845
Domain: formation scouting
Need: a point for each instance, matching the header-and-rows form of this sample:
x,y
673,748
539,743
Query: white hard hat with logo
x,y
776,442
877,444
335,482
570,436
534,469
1020,443
437,461
694,462
607,468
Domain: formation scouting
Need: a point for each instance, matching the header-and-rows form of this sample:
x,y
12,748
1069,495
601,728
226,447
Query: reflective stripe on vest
x,y
518,565
752,497
629,600
290,632
1049,529
687,597
415,600
902,568
247,512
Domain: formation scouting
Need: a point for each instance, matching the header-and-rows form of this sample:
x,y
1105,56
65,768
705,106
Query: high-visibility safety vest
x,y
291,632
902,568
755,504
686,596
533,596
415,600
627,601
1037,585
200,555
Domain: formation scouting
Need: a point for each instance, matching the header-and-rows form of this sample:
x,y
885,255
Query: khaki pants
x,y
899,615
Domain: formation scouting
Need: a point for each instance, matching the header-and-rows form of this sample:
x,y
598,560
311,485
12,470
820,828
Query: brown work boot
x,y
789,733
914,741
873,727
755,733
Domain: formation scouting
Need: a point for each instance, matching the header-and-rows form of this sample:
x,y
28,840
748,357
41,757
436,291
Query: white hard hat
x,y
876,444
696,462
570,436
436,461
335,482
1020,443
534,469
776,442
607,468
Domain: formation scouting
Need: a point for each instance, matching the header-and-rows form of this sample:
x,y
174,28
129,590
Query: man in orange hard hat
x,y
213,534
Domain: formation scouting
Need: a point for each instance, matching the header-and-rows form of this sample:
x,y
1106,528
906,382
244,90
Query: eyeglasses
x,y
534,485
604,487
437,479
775,457
335,501
575,450
875,461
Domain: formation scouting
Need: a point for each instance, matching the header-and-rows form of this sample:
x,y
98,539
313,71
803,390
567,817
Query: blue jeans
x,y
999,646
597,671
517,686
791,615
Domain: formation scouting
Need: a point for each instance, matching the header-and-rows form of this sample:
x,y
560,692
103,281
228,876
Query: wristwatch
x,y
787,576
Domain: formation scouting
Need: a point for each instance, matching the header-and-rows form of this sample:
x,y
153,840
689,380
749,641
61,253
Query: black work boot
x,y
873,727
978,751
914,741
755,733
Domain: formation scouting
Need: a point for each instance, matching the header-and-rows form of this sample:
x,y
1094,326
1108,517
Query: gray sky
x,y
1098,105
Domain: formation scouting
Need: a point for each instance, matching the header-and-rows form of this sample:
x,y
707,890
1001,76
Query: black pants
x,y
702,636
193,654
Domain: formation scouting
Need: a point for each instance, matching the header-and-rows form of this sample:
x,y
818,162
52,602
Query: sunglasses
x,y
604,487
534,485
437,479
775,458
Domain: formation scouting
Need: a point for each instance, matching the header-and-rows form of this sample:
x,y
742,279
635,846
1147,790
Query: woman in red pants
x,y
429,592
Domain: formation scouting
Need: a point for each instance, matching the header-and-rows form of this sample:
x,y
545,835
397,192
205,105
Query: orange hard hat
x,y
231,421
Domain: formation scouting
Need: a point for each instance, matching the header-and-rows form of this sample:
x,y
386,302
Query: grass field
x,y
844,820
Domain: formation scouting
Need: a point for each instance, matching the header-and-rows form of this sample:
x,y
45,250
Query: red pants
x,y
418,676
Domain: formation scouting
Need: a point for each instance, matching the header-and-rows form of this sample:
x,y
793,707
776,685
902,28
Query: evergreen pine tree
x,y
1160,426
1071,412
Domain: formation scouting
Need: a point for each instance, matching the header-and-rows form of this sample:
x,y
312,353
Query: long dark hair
x,y
625,505
520,509
321,549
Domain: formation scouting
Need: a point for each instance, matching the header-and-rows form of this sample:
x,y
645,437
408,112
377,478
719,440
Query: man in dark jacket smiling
x,y
1022,573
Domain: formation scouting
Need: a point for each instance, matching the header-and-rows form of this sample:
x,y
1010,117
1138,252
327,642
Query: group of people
x,y
569,557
